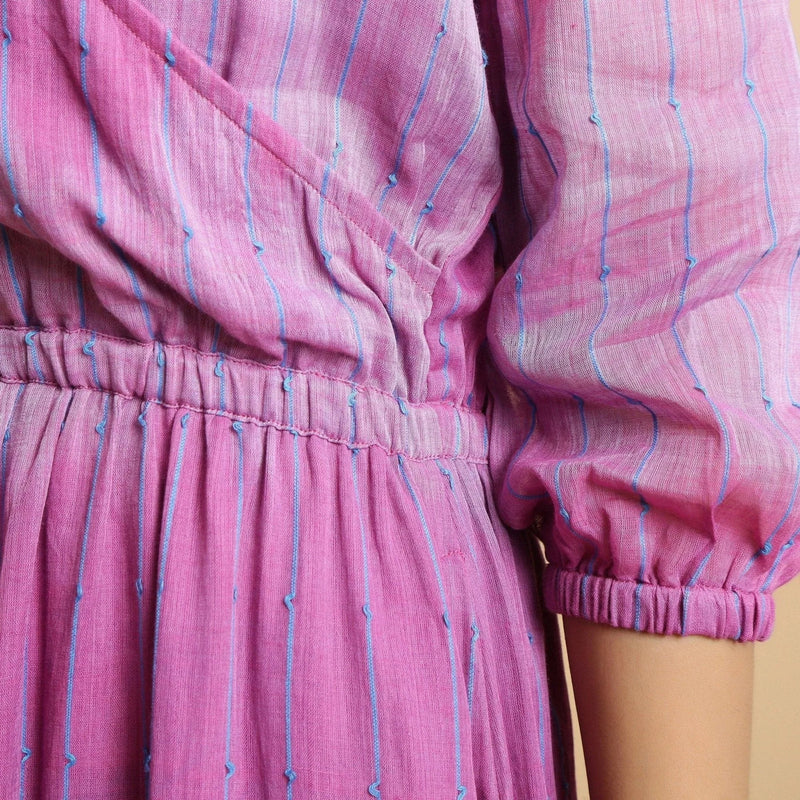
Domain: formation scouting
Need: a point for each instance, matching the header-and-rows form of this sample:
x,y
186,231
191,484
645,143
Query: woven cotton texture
x,y
316,318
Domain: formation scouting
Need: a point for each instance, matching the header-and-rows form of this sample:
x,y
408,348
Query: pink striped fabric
x,y
318,318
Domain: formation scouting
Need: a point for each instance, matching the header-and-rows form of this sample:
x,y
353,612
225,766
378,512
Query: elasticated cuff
x,y
697,610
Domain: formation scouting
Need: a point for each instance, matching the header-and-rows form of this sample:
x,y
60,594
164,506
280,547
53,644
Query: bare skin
x,y
662,717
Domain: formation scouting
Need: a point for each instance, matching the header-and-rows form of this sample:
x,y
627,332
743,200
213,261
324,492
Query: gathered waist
x,y
302,401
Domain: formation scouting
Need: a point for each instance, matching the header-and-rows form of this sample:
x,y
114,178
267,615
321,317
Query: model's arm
x,y
661,717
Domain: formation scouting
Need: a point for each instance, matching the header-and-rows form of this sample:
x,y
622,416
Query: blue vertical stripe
x,y
781,553
220,373
473,650
25,750
13,273
522,338
391,268
288,600
564,513
392,178
188,233
532,130
7,39
766,548
686,596
337,150
284,58
428,207
230,768
162,567
68,754
29,341
473,644
328,257
374,787
444,343
140,598
605,271
160,363
257,244
100,217
337,103
4,470
212,32
460,789
691,261
539,703
88,349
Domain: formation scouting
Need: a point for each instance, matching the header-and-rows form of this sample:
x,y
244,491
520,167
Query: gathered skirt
x,y
222,579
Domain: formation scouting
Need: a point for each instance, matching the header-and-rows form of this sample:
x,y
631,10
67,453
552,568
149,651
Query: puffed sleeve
x,y
646,418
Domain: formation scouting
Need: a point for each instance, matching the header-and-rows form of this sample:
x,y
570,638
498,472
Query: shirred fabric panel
x,y
647,324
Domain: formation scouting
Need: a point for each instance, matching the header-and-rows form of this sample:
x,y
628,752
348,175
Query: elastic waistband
x,y
309,403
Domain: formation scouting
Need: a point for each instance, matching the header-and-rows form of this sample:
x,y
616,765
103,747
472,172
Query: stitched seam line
x,y
259,421
560,571
206,354
177,71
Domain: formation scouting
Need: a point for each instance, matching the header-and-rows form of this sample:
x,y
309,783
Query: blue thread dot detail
x,y
237,426
70,760
18,210
290,774
392,179
101,427
287,383
26,754
230,768
766,549
184,420
139,587
403,406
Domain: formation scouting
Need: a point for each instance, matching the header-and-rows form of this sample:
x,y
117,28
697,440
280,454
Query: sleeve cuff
x,y
697,610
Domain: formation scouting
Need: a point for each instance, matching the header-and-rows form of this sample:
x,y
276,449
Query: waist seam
x,y
179,376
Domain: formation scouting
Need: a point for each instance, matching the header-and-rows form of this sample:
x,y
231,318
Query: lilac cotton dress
x,y
317,317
